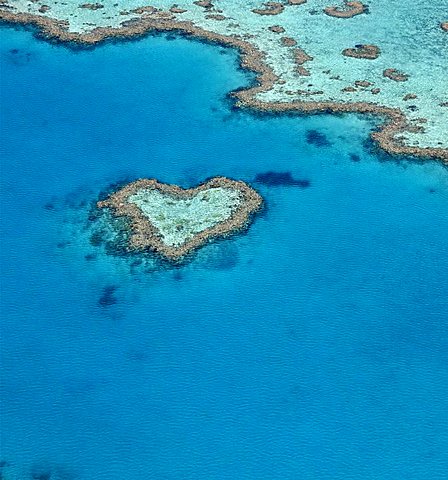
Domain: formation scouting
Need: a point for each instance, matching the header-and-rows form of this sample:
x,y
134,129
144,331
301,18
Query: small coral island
x,y
173,221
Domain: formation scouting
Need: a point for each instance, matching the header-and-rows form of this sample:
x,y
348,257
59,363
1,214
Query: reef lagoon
x,y
312,346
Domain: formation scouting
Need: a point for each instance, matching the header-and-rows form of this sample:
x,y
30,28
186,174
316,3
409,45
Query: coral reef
x,y
281,86
173,221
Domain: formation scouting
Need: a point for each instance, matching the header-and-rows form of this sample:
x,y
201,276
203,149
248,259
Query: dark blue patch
x,y
94,214
280,179
138,354
314,137
223,256
178,276
96,239
40,472
354,157
3,464
53,472
17,57
75,200
50,207
108,297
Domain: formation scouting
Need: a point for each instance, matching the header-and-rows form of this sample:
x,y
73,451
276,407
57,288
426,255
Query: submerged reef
x,y
108,297
280,179
297,58
314,137
173,221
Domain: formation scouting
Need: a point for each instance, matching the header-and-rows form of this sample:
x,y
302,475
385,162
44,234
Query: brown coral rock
x,y
301,57
369,52
395,75
207,4
176,9
92,6
216,16
349,10
444,26
302,71
363,83
147,9
307,93
271,8
276,29
288,41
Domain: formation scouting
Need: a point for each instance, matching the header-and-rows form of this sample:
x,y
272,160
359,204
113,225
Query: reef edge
x,y
251,58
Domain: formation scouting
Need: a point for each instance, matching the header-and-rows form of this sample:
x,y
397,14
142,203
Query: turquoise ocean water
x,y
313,347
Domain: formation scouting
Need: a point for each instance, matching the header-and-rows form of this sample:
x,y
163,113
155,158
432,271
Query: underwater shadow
x,y
280,179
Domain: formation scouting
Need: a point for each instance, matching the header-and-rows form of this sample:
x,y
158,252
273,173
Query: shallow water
x,y
313,347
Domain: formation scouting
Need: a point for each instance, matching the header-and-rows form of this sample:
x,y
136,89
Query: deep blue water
x,y
313,347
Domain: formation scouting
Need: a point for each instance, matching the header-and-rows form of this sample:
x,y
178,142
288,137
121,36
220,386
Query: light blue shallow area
x,y
313,347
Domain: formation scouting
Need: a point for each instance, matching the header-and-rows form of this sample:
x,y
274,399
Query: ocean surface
x,y
312,347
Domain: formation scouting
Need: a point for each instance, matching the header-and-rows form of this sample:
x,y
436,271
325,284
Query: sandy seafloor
x,y
313,347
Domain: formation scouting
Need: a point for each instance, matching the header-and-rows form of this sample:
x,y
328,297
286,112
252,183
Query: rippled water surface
x,y
315,346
